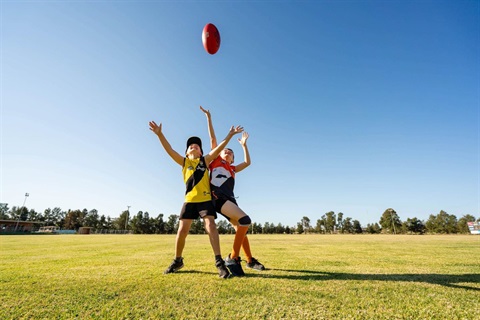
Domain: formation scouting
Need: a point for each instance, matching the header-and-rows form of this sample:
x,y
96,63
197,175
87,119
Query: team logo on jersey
x,y
219,176
201,166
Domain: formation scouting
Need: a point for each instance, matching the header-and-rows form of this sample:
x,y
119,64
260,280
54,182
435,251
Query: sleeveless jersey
x,y
222,180
195,176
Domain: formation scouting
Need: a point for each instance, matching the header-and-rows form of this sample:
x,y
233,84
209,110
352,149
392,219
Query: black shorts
x,y
194,210
219,204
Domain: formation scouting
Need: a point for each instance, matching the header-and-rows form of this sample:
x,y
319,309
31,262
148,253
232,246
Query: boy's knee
x,y
183,231
244,221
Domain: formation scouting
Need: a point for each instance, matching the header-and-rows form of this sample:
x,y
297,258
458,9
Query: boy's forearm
x,y
211,133
168,148
246,155
216,151
224,142
164,142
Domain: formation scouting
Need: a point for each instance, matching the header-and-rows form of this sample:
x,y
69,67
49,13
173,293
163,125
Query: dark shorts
x,y
219,204
194,210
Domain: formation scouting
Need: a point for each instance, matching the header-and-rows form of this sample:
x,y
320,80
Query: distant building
x,y
48,229
11,226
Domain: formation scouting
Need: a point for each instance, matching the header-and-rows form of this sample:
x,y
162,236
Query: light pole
x,y
126,220
20,213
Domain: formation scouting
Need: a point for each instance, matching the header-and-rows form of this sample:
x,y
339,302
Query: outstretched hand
x,y
243,139
207,112
235,130
157,129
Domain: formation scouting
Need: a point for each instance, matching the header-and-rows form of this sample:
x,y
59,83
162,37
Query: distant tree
x,y
92,219
357,227
347,225
159,224
230,229
373,228
330,222
19,213
279,229
462,225
197,227
266,228
33,215
320,226
141,223
300,229
147,223
48,217
288,230
171,225
305,224
403,228
103,224
4,211
58,216
340,222
134,223
269,228
443,223
414,225
84,215
430,224
110,223
125,221
73,220
450,223
390,221
222,226
255,228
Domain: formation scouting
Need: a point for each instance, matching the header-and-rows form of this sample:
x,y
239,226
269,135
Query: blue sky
x,y
351,106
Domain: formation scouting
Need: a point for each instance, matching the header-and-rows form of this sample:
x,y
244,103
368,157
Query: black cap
x,y
194,140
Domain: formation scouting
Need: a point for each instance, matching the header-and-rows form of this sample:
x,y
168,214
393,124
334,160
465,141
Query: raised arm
x,y
246,155
211,132
216,151
157,129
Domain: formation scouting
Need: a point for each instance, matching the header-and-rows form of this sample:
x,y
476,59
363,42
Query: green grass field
x,y
308,277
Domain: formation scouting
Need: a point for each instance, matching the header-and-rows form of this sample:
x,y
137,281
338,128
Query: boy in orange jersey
x,y
222,182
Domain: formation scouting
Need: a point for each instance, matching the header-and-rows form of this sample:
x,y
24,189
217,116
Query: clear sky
x,y
351,106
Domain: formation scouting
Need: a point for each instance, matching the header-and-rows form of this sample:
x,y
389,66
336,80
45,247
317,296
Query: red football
x,y
211,38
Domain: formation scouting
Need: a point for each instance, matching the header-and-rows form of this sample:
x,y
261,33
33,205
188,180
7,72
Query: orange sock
x,y
237,242
246,249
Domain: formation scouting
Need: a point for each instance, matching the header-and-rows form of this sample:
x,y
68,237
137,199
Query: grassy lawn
x,y
308,277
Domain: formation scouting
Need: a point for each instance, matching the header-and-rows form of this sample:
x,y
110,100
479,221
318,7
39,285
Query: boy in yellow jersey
x,y
222,183
198,200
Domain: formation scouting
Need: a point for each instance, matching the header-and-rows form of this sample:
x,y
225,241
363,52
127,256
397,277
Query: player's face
x,y
194,151
227,155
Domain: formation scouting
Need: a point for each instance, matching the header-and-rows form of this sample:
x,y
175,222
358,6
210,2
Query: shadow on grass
x,y
447,280
460,281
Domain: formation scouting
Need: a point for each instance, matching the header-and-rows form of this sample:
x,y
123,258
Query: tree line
x,y
390,223
329,223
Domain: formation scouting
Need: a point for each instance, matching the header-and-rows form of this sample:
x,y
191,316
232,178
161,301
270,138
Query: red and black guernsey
x,y
222,179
